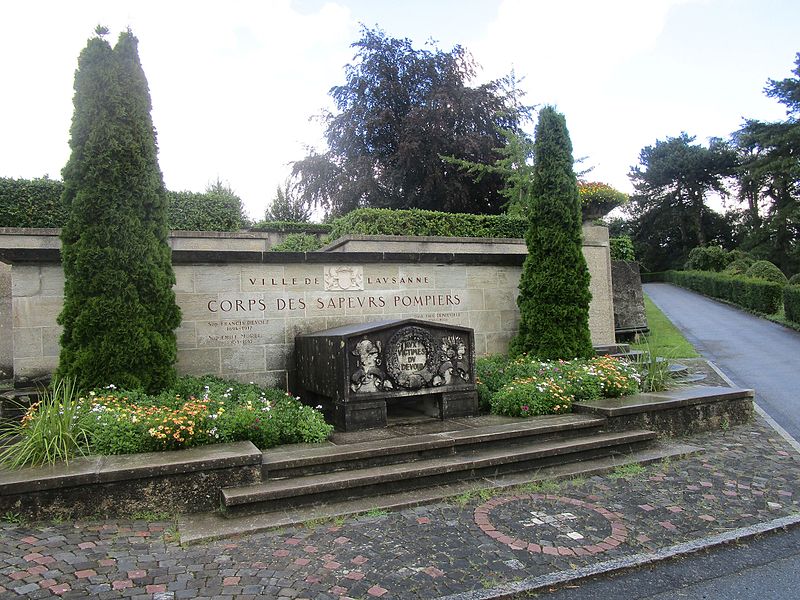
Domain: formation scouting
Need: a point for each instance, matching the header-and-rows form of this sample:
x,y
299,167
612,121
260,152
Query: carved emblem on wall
x,y
368,376
344,278
454,363
411,358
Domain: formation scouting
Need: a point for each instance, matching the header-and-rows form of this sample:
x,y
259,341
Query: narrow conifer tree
x,y
119,312
554,286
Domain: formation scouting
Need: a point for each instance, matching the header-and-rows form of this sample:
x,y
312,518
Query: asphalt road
x,y
764,568
753,352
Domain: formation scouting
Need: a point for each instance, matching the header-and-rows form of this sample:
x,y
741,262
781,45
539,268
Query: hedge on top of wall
x,y
31,202
37,203
383,221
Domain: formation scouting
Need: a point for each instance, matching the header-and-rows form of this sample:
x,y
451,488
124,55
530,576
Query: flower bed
x,y
525,386
194,412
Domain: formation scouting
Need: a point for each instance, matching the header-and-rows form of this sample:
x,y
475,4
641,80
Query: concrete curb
x,y
534,584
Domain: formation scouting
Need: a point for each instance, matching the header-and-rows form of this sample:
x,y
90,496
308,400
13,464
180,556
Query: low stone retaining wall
x,y
180,481
678,412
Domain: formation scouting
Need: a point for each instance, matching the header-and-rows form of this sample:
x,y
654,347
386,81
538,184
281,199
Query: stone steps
x,y
283,463
480,462
195,528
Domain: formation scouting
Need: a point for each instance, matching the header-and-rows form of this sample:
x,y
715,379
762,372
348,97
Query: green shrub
x,y
198,411
381,221
794,279
791,302
119,314
621,248
529,397
579,379
291,227
754,294
763,269
31,203
707,258
298,242
209,211
738,266
554,291
50,431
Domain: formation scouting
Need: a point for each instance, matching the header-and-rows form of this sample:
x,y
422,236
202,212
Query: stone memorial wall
x,y
243,305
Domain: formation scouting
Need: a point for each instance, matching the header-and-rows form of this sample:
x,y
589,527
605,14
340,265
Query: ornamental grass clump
x,y
50,431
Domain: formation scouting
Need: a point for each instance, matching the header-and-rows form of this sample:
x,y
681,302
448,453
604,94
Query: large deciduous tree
x,y
399,111
672,183
119,310
554,287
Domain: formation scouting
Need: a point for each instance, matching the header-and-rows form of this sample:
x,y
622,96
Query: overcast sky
x,y
234,83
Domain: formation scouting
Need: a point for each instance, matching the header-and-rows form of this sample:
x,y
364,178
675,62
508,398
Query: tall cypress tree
x,y
554,286
119,310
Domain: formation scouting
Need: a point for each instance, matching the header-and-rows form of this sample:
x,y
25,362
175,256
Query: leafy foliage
x,y
707,258
554,285
672,181
119,311
621,248
196,411
38,203
791,302
769,174
598,199
217,209
50,430
738,266
755,294
525,386
763,269
287,207
794,279
375,221
399,111
298,242
31,202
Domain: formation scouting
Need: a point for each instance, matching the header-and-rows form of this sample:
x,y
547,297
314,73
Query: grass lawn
x,y
664,338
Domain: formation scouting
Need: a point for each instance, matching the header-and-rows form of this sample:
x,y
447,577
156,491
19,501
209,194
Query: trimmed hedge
x,y
291,227
754,294
37,203
791,302
383,221
794,279
31,203
191,211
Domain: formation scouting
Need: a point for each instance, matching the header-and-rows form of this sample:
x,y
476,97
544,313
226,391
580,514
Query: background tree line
x,y
755,171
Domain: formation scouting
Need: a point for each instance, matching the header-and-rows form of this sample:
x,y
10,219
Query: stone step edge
x,y
278,459
658,401
204,527
340,480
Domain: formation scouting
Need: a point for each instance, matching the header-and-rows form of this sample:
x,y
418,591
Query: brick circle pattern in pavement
x,y
501,518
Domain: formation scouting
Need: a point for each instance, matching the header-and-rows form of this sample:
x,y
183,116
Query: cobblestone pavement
x,y
746,475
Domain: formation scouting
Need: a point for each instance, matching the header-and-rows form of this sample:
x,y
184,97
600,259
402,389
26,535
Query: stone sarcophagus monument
x,y
361,373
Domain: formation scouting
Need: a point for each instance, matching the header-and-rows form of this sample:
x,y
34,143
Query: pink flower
x,y
525,408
